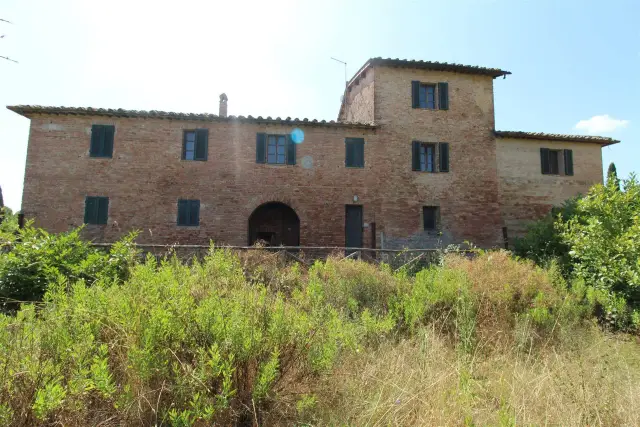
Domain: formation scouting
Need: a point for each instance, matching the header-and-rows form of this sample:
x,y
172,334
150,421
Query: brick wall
x,y
467,195
526,194
146,177
359,100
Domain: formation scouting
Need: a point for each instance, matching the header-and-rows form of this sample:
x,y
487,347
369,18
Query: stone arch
x,y
275,224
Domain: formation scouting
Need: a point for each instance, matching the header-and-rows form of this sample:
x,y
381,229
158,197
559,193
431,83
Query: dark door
x,y
353,226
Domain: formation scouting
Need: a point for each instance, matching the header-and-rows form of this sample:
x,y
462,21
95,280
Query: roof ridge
x,y
25,110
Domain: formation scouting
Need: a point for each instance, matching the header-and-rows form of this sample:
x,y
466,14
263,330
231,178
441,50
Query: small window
x,y
427,157
430,218
427,96
556,162
354,157
102,140
189,213
96,210
277,149
195,144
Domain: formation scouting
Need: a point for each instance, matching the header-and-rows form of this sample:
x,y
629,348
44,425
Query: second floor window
x,y
427,157
430,157
102,140
275,149
556,162
195,144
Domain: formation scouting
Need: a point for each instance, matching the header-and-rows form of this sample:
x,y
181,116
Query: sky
x,y
575,64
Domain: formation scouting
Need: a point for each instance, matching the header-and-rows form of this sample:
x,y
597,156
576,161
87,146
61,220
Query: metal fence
x,y
413,259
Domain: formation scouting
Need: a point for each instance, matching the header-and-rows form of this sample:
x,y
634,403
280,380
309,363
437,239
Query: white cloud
x,y
601,124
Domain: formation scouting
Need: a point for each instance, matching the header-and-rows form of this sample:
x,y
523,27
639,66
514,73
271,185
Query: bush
x,y
36,258
542,243
604,242
244,339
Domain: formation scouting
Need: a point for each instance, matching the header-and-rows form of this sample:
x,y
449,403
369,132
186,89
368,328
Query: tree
x,y
1,206
612,174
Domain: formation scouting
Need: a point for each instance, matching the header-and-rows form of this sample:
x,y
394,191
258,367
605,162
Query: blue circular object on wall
x,y
297,135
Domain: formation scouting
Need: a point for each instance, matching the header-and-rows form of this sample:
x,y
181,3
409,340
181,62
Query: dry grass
x,y
422,381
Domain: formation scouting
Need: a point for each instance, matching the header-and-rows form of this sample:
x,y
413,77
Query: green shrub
x,y
605,247
36,258
542,243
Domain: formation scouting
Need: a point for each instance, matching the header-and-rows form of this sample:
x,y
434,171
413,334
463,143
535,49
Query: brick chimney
x,y
223,105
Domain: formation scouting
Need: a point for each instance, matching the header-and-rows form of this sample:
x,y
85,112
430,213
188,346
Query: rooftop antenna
x,y
345,70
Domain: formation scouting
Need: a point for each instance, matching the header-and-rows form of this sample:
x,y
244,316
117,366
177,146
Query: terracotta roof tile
x,y
602,140
27,110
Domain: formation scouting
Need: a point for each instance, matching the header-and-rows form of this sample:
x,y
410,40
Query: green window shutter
x,y
261,147
415,156
109,134
354,152
202,144
444,156
415,94
291,151
90,210
103,210
568,162
96,138
544,161
184,145
183,212
443,93
194,212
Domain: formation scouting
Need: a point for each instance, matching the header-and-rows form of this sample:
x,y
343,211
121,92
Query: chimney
x,y
223,105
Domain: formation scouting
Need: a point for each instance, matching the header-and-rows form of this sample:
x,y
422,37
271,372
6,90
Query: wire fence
x,y
412,259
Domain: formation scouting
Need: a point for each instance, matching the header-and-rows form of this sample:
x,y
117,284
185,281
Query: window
x,y
354,157
424,157
426,96
556,162
427,157
430,218
275,149
195,144
189,212
102,140
96,210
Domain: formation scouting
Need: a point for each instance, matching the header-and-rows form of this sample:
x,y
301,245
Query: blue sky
x,y
572,61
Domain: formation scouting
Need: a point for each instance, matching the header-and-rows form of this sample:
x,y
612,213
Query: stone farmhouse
x,y
413,160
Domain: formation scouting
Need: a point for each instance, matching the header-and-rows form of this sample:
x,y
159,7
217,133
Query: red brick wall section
x,y
146,177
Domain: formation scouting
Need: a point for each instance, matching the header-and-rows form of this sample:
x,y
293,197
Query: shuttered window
x,y
444,156
354,156
430,217
423,157
195,144
430,96
102,140
275,149
568,162
189,212
554,161
96,210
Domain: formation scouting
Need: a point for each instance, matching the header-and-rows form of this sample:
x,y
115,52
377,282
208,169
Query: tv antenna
x,y
345,70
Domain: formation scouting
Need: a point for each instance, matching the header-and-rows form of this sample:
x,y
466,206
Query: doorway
x,y
274,224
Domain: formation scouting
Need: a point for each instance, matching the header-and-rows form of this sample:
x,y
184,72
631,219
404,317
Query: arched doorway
x,y
274,224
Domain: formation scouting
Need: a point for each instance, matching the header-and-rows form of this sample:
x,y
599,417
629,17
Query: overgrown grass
x,y
251,340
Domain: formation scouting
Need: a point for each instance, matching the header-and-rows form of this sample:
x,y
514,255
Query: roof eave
x,y
600,140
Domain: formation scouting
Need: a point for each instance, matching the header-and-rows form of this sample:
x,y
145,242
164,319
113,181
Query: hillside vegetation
x,y
108,338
